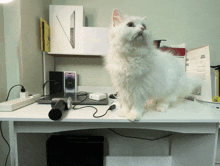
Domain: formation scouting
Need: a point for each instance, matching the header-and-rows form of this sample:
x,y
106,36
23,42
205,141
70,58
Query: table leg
x,y
13,144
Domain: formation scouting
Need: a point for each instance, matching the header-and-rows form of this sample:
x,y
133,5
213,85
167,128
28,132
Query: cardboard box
x,y
65,24
94,40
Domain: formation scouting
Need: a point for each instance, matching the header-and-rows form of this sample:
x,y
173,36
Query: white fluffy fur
x,y
139,71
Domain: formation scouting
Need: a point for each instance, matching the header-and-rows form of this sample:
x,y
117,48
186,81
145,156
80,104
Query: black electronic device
x,y
70,82
59,105
56,82
75,150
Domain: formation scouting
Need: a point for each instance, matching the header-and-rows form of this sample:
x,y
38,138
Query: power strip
x,y
18,103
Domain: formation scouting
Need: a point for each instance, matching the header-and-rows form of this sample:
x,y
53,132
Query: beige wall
x,y
22,45
31,65
12,33
90,71
3,82
192,22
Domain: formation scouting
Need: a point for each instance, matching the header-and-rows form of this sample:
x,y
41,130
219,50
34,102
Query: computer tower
x,y
75,151
56,82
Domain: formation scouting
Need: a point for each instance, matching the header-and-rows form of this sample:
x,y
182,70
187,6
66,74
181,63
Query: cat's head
x,y
129,29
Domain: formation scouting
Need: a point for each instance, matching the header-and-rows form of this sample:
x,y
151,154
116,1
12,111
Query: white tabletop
x,y
184,112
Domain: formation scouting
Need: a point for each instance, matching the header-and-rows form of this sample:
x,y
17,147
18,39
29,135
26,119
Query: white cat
x,y
139,71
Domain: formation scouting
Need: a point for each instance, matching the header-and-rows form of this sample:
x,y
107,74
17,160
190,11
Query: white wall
x,y
12,33
3,86
31,68
3,82
91,71
23,56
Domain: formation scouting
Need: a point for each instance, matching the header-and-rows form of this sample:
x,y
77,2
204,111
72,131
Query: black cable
x,y
110,108
9,148
46,83
94,115
85,93
148,139
22,90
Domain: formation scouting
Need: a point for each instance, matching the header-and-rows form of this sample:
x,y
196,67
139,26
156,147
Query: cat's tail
x,y
191,86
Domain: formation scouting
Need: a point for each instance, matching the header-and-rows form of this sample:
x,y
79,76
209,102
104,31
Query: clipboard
x,y
44,35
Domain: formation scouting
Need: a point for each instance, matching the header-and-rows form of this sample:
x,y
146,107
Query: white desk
x,y
193,143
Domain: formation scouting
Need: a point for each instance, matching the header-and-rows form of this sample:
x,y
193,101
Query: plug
x,y
116,105
23,93
22,89
112,107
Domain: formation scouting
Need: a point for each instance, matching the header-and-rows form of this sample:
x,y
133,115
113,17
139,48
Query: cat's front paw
x,y
162,107
122,112
133,116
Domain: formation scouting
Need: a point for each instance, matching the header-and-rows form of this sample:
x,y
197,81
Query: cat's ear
x,y
144,18
117,17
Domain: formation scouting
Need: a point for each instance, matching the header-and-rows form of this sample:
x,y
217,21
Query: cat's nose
x,y
142,28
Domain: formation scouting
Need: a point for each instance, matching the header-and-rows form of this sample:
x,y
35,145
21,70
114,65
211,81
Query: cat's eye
x,y
144,26
130,24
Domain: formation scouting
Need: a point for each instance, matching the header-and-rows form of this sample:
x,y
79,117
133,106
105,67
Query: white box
x,y
97,96
94,40
65,24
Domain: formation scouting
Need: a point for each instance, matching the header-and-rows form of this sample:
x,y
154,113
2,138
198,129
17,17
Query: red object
x,y
174,51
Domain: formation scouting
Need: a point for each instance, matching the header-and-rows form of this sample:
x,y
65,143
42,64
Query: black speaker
x,y
75,151
56,82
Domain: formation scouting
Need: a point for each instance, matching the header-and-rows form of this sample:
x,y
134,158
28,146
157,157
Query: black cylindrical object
x,y
58,108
